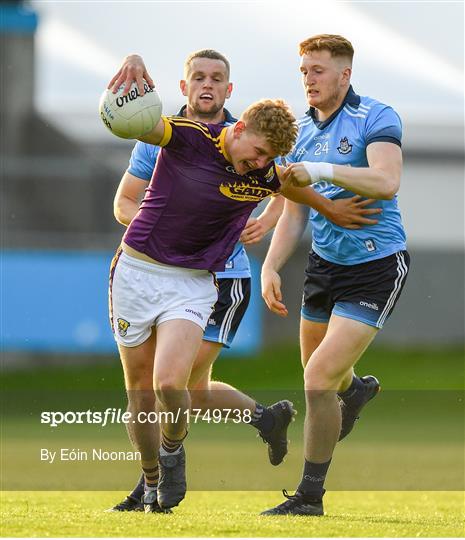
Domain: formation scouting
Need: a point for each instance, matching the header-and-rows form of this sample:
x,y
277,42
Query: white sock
x,y
164,452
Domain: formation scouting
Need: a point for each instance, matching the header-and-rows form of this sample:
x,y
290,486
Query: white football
x,y
132,115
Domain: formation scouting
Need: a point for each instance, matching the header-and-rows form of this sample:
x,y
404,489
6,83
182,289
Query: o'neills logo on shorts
x,y
371,306
196,313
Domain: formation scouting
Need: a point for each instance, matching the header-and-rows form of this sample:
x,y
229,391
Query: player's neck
x,y
217,118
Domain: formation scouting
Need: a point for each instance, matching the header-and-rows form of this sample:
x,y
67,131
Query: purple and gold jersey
x,y
196,204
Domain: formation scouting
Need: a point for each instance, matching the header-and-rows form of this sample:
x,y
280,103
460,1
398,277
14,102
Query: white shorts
x,y
143,295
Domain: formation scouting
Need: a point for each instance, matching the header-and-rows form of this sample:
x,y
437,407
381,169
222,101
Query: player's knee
x,y
168,390
319,377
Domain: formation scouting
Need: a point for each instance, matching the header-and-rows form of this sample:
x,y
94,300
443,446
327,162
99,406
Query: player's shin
x,y
143,434
321,432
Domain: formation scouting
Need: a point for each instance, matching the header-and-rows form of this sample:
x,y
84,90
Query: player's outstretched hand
x,y
132,69
253,232
352,213
271,292
295,175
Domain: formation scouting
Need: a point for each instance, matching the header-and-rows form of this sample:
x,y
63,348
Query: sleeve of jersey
x,y
142,161
181,133
384,125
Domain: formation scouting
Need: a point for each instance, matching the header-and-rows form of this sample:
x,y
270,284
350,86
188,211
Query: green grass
x,y
233,458
410,438
234,514
275,368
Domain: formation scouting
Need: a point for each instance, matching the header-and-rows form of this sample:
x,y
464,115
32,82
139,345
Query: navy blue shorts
x,y
233,299
365,292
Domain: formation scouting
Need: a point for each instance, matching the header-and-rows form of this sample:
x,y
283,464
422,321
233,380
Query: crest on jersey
x,y
345,147
123,327
370,244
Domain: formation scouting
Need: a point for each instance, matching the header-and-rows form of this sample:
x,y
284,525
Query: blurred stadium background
x,y
60,169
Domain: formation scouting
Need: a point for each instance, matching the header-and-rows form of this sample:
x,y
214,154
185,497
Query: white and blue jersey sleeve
x,y
343,140
142,164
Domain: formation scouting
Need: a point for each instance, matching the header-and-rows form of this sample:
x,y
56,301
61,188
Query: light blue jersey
x,y
142,163
342,139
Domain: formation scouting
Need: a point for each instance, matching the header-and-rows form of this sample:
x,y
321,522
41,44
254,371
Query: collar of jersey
x,y
228,120
222,144
228,117
351,98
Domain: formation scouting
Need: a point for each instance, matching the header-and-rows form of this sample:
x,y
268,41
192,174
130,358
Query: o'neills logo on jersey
x,y
245,191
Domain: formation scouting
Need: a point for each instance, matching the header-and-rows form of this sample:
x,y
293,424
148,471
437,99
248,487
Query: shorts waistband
x,y
157,268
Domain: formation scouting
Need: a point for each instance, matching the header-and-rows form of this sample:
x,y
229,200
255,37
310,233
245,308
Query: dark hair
x,y
205,53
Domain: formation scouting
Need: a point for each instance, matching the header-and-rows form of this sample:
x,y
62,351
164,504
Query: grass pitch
x,y
411,438
234,514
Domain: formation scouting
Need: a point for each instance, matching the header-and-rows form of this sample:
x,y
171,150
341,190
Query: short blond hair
x,y
338,46
274,119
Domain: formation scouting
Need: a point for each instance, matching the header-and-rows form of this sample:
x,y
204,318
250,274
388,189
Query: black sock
x,y
138,491
262,419
355,394
313,478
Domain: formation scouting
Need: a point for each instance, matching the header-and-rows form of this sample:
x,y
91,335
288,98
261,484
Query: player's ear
x,y
229,90
183,87
346,73
239,128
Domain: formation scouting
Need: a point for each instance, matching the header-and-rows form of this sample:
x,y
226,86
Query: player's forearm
x,y
368,181
285,239
319,203
125,210
380,180
155,136
313,199
271,214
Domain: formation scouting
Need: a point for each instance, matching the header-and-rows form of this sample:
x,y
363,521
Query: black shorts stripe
x,y
402,270
233,299
236,299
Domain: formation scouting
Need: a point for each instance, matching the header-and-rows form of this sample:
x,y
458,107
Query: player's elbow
x,y
385,195
389,189
389,194
118,212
